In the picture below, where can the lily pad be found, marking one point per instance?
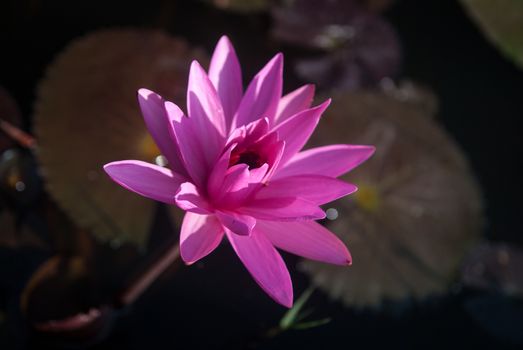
(502, 23)
(418, 208)
(87, 115)
(356, 46)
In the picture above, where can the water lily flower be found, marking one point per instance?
(237, 169)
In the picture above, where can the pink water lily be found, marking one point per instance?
(237, 169)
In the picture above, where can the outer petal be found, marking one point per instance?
(207, 122)
(307, 239)
(199, 236)
(193, 154)
(262, 95)
(264, 264)
(225, 74)
(146, 179)
(188, 198)
(333, 160)
(315, 188)
(159, 126)
(296, 130)
(204, 105)
(294, 102)
(237, 223)
(283, 209)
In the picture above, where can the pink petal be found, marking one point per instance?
(264, 264)
(294, 102)
(146, 179)
(307, 239)
(192, 153)
(237, 223)
(188, 198)
(236, 178)
(257, 175)
(251, 132)
(262, 95)
(207, 121)
(283, 209)
(160, 128)
(315, 188)
(218, 172)
(296, 130)
(274, 150)
(251, 182)
(333, 160)
(234, 187)
(225, 74)
(199, 236)
(204, 105)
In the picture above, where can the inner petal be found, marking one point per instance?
(251, 158)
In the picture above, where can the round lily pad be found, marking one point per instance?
(87, 115)
(418, 208)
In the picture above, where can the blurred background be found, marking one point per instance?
(434, 229)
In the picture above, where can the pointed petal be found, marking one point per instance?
(199, 236)
(275, 159)
(251, 132)
(283, 209)
(294, 102)
(333, 160)
(159, 126)
(203, 103)
(235, 186)
(262, 95)
(206, 116)
(188, 198)
(237, 223)
(218, 172)
(314, 188)
(307, 239)
(236, 178)
(192, 152)
(264, 264)
(257, 175)
(146, 179)
(296, 130)
(225, 74)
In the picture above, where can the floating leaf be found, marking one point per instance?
(418, 208)
(502, 23)
(87, 115)
(358, 47)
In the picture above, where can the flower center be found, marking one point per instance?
(251, 158)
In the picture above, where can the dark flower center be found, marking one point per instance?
(251, 158)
